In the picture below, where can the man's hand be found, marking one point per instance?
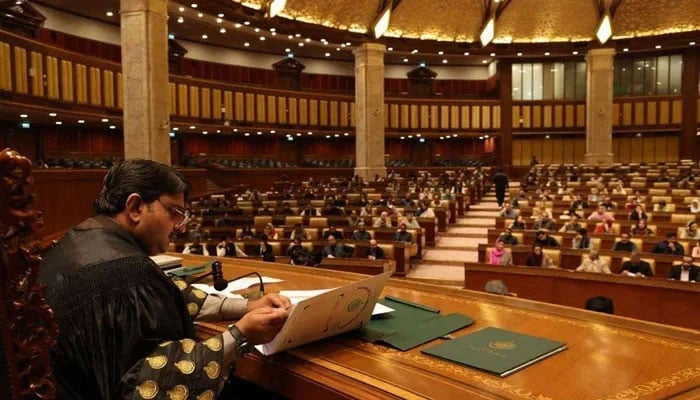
(262, 325)
(271, 300)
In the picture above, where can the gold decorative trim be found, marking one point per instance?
(657, 385)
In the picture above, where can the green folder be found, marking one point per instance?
(187, 271)
(497, 351)
(411, 325)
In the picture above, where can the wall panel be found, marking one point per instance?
(108, 84)
(37, 67)
(95, 86)
(67, 81)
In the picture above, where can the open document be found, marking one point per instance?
(328, 314)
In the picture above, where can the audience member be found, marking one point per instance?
(692, 231)
(299, 232)
(336, 250)
(410, 221)
(641, 229)
(353, 219)
(508, 211)
(383, 221)
(601, 215)
(507, 238)
(600, 304)
(624, 244)
(593, 263)
(686, 272)
(361, 233)
(544, 223)
(402, 235)
(638, 213)
(581, 240)
(696, 250)
(572, 225)
(264, 250)
(635, 266)
(695, 206)
(518, 224)
(332, 231)
(298, 254)
(228, 248)
(669, 246)
(374, 252)
(537, 258)
(196, 247)
(498, 287)
(500, 255)
(543, 239)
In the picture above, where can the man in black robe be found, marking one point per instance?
(500, 181)
(126, 328)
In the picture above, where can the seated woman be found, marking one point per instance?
(518, 224)
(603, 227)
(270, 233)
(581, 240)
(695, 253)
(500, 255)
(537, 258)
(247, 232)
(641, 229)
(638, 213)
(695, 206)
(593, 263)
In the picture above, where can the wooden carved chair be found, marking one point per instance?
(27, 328)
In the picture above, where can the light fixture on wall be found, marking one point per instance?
(604, 30)
(382, 23)
(488, 33)
(276, 6)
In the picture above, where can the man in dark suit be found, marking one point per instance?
(500, 181)
(374, 252)
(264, 250)
(636, 266)
(669, 246)
(335, 249)
(685, 272)
(334, 232)
(402, 235)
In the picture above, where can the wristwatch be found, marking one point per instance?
(243, 346)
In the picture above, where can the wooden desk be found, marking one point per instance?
(651, 299)
(609, 357)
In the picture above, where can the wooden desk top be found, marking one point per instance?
(609, 357)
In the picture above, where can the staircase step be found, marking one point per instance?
(428, 273)
(449, 255)
(458, 242)
(482, 214)
(460, 230)
(463, 235)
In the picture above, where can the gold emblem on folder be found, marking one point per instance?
(503, 345)
(148, 389)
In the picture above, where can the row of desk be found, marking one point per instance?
(609, 357)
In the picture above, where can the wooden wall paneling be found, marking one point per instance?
(333, 113)
(525, 116)
(672, 150)
(626, 114)
(677, 113)
(313, 112)
(67, 81)
(639, 113)
(465, 116)
(476, 117)
(323, 113)
(622, 149)
(386, 116)
(581, 115)
(108, 85)
(636, 146)
(53, 78)
(496, 117)
(517, 152)
(249, 106)
(37, 76)
(660, 148)
(120, 92)
(352, 114)
(292, 106)
(404, 116)
(434, 117)
(616, 151)
(568, 150)
(569, 116)
(548, 151)
(664, 112)
(172, 98)
(216, 104)
(229, 105)
(651, 113)
(282, 110)
(5, 67)
(260, 111)
(454, 117)
(486, 117)
(95, 83)
(205, 103)
(424, 117)
(445, 117)
(527, 151)
(558, 116)
(182, 102)
(238, 106)
(394, 121)
(21, 72)
(303, 111)
(547, 112)
(698, 112)
(414, 116)
(616, 113)
(516, 116)
(271, 109)
(580, 151)
(344, 114)
(648, 151)
(537, 116)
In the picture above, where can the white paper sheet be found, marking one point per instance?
(208, 289)
(296, 296)
(240, 284)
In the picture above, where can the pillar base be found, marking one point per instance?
(599, 158)
(368, 173)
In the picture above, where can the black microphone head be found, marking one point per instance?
(220, 284)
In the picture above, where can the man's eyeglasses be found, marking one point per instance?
(180, 217)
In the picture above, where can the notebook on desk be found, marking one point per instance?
(165, 261)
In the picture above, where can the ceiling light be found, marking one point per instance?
(246, 134)
(415, 51)
(392, 49)
(410, 136)
(52, 114)
(112, 127)
(259, 133)
(327, 54)
(405, 60)
(181, 9)
(110, 14)
(235, 129)
(493, 54)
(256, 30)
(301, 44)
(307, 40)
(171, 36)
(23, 115)
(290, 36)
(337, 49)
(342, 45)
(546, 53)
(59, 123)
(81, 121)
(441, 52)
(444, 61)
(273, 131)
(105, 120)
(520, 54)
(193, 5)
(346, 134)
(298, 133)
(658, 46)
(222, 30)
(403, 137)
(691, 43)
(604, 31)
(262, 38)
(574, 52)
(455, 135)
(219, 20)
(309, 133)
(287, 50)
(205, 36)
(237, 25)
(336, 135)
(348, 44)
(290, 55)
(175, 128)
(486, 136)
(218, 131)
(422, 140)
(273, 30)
(481, 138)
(488, 33)
(466, 53)
(276, 6)
(328, 136)
(246, 23)
(484, 61)
(246, 44)
(200, 15)
(220, 15)
(192, 127)
(422, 64)
(180, 20)
(625, 49)
(297, 35)
(382, 24)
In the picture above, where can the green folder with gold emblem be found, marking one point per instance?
(497, 351)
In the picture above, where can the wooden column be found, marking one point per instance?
(599, 104)
(505, 92)
(369, 110)
(690, 142)
(144, 43)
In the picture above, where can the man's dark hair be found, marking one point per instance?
(148, 179)
(600, 304)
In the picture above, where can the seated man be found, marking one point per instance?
(197, 232)
(374, 252)
(593, 263)
(571, 226)
(402, 235)
(308, 211)
(120, 316)
(686, 272)
(332, 231)
(581, 240)
(545, 222)
(361, 233)
(508, 238)
(336, 250)
(264, 250)
(600, 304)
(669, 246)
(624, 244)
(636, 266)
(692, 231)
(383, 221)
(227, 248)
(225, 220)
(543, 239)
(196, 247)
(299, 233)
(353, 219)
(298, 254)
(508, 211)
(411, 221)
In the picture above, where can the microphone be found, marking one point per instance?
(217, 274)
